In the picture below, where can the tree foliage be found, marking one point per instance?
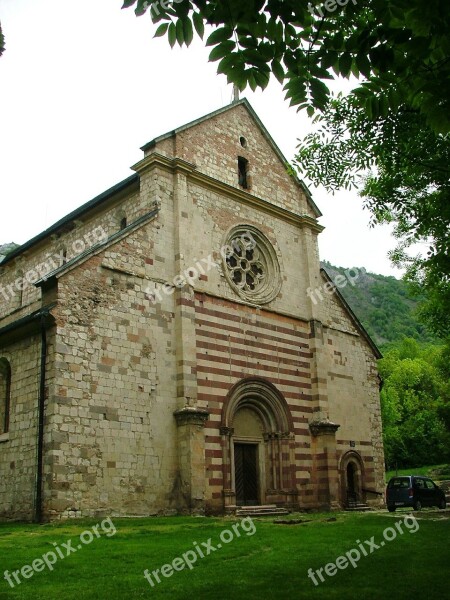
(406, 167)
(399, 48)
(395, 121)
(415, 403)
(2, 41)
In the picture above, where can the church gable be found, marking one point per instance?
(233, 146)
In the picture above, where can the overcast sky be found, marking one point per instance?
(83, 85)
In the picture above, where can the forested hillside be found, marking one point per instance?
(382, 304)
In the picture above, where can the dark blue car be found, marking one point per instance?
(415, 491)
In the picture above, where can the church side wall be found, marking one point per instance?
(354, 400)
(18, 446)
(114, 438)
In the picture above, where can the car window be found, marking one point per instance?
(420, 484)
(399, 483)
(430, 485)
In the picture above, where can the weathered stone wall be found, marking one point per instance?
(73, 239)
(18, 447)
(353, 389)
(113, 448)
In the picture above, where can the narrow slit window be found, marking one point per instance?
(123, 223)
(243, 170)
(5, 393)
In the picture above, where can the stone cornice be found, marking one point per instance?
(191, 416)
(177, 165)
(324, 427)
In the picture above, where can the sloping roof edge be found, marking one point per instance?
(29, 323)
(98, 246)
(260, 124)
(352, 316)
(75, 214)
(134, 179)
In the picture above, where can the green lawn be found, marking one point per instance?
(436, 472)
(271, 563)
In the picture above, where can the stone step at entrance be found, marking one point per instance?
(357, 507)
(264, 510)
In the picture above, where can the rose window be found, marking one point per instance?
(251, 265)
(245, 265)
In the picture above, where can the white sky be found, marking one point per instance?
(83, 85)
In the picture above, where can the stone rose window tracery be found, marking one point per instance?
(251, 265)
(245, 265)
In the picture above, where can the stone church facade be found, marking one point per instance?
(174, 346)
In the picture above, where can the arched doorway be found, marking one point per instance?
(352, 479)
(248, 438)
(351, 483)
(258, 446)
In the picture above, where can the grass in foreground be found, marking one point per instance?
(271, 563)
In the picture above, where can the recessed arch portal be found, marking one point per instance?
(257, 441)
(264, 398)
(352, 478)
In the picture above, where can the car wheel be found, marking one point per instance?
(417, 505)
(442, 504)
(391, 508)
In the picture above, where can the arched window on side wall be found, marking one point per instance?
(5, 394)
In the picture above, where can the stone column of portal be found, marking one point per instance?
(323, 447)
(324, 479)
(228, 491)
(189, 417)
(191, 458)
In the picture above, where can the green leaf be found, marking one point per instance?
(198, 24)
(162, 29)
(128, 3)
(262, 79)
(141, 8)
(219, 35)
(329, 59)
(172, 35)
(226, 64)
(188, 31)
(271, 29)
(223, 49)
(248, 42)
(363, 64)
(278, 70)
(319, 92)
(345, 64)
(179, 32)
(252, 81)
(338, 41)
